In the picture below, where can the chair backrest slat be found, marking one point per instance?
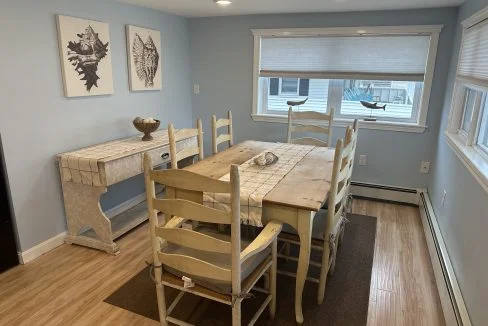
(310, 122)
(228, 137)
(194, 240)
(309, 128)
(310, 115)
(175, 136)
(309, 141)
(191, 210)
(183, 179)
(193, 266)
(187, 152)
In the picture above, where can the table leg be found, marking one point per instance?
(304, 229)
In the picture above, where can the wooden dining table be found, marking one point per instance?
(294, 200)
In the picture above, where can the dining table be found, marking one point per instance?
(294, 200)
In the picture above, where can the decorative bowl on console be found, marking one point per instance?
(146, 126)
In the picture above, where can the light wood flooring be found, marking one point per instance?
(67, 286)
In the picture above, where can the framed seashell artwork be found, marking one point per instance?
(144, 58)
(86, 56)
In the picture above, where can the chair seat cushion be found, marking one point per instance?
(218, 259)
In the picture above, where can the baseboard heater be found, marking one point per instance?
(382, 192)
(453, 306)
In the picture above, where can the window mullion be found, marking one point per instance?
(334, 100)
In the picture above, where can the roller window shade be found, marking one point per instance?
(346, 57)
(473, 60)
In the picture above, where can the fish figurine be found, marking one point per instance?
(373, 106)
(295, 103)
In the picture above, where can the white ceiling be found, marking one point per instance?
(206, 8)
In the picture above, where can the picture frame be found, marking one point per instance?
(144, 58)
(85, 53)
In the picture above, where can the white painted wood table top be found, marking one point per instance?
(294, 200)
(85, 175)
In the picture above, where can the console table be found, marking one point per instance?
(85, 175)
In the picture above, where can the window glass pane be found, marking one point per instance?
(400, 97)
(483, 136)
(468, 109)
(275, 102)
(289, 85)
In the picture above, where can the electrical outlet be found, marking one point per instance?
(363, 159)
(444, 195)
(424, 167)
(196, 88)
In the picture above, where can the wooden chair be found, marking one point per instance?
(329, 224)
(308, 124)
(214, 265)
(175, 136)
(220, 123)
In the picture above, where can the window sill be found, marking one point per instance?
(476, 163)
(375, 125)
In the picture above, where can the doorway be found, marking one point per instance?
(8, 247)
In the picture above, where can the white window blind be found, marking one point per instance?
(395, 57)
(473, 61)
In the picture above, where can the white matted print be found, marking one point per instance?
(144, 56)
(86, 61)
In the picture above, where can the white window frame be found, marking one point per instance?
(418, 126)
(465, 144)
(280, 87)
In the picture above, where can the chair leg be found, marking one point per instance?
(272, 278)
(161, 304)
(341, 236)
(236, 313)
(266, 278)
(334, 253)
(287, 249)
(323, 273)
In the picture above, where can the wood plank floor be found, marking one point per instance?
(67, 286)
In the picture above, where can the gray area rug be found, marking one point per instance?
(346, 296)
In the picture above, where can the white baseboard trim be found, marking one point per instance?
(36, 251)
(382, 192)
(453, 306)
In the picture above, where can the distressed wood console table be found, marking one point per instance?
(85, 175)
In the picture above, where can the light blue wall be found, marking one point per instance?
(37, 121)
(463, 219)
(222, 58)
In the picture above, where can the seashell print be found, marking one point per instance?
(266, 159)
(145, 59)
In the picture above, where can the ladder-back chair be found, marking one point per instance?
(228, 137)
(310, 122)
(203, 261)
(177, 154)
(329, 224)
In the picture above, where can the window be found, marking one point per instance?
(467, 131)
(339, 67)
(289, 86)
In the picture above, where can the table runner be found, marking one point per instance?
(257, 181)
(81, 166)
